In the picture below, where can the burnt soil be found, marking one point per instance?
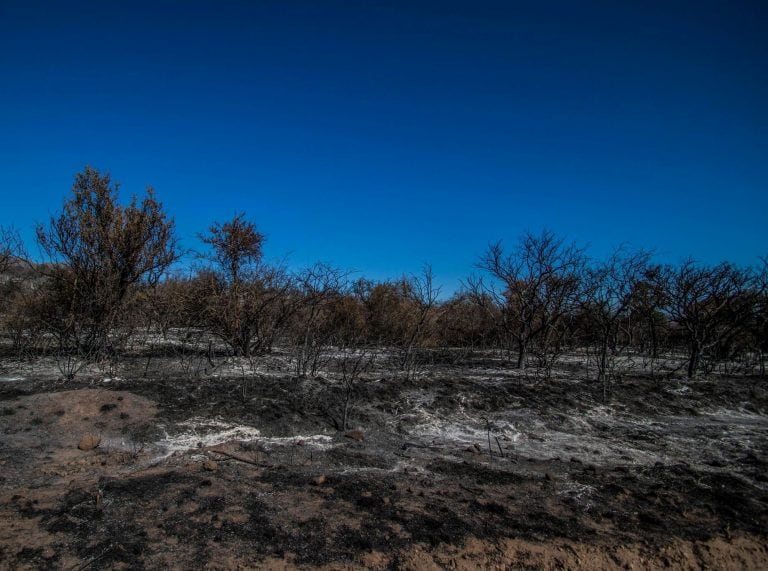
(464, 466)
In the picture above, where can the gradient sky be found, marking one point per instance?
(382, 135)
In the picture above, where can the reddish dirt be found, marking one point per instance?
(381, 501)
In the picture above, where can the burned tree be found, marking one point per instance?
(649, 297)
(11, 291)
(421, 299)
(99, 251)
(246, 300)
(464, 323)
(236, 249)
(11, 248)
(353, 360)
(540, 281)
(317, 287)
(759, 325)
(399, 313)
(607, 300)
(708, 304)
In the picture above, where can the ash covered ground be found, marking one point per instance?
(469, 465)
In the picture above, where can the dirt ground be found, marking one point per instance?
(462, 467)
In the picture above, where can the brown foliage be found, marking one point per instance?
(99, 252)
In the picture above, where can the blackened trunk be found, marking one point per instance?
(521, 353)
(693, 361)
(603, 365)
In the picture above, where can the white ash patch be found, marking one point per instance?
(202, 433)
(462, 429)
(122, 443)
(316, 441)
(576, 440)
(742, 416)
(578, 493)
(461, 433)
(680, 391)
(602, 435)
(526, 433)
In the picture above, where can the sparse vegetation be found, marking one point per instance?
(98, 252)
(245, 414)
(106, 283)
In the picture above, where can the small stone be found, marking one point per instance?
(319, 480)
(356, 435)
(89, 442)
(210, 466)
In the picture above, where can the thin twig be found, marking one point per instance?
(94, 559)
(241, 458)
(499, 445)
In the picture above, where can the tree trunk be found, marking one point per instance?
(521, 354)
(654, 342)
(603, 363)
(345, 412)
(693, 361)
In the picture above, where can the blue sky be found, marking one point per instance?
(382, 135)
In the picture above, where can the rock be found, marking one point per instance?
(89, 442)
(210, 466)
(319, 480)
(356, 435)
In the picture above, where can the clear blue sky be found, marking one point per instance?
(382, 135)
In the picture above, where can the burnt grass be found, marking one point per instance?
(641, 504)
(364, 503)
